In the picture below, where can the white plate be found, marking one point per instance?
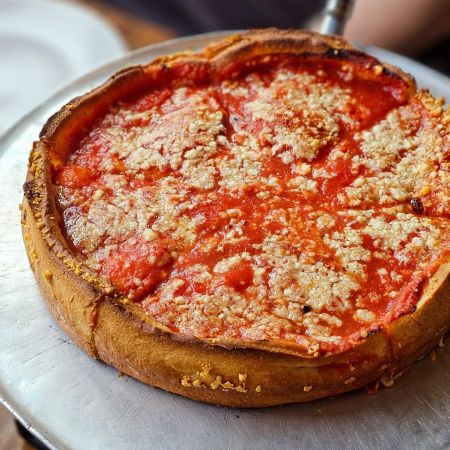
(43, 46)
(73, 402)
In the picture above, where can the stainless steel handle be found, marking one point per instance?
(335, 15)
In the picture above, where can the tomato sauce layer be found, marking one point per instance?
(296, 201)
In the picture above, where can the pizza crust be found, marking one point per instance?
(230, 373)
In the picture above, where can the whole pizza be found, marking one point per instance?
(263, 222)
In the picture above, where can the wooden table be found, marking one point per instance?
(135, 31)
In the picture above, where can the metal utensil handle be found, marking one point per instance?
(335, 15)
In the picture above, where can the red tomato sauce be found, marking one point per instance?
(144, 269)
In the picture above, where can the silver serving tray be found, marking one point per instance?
(73, 402)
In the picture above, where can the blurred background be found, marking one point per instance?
(44, 44)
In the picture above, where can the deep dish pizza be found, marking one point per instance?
(264, 222)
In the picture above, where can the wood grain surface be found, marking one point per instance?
(9, 438)
(135, 31)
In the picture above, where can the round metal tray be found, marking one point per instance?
(73, 402)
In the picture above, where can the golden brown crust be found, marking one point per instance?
(72, 303)
(294, 42)
(226, 372)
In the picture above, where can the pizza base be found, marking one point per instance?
(231, 373)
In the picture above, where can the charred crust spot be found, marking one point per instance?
(416, 205)
(374, 331)
(333, 53)
(29, 190)
(306, 309)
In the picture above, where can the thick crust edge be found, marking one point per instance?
(228, 373)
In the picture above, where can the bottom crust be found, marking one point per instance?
(123, 337)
